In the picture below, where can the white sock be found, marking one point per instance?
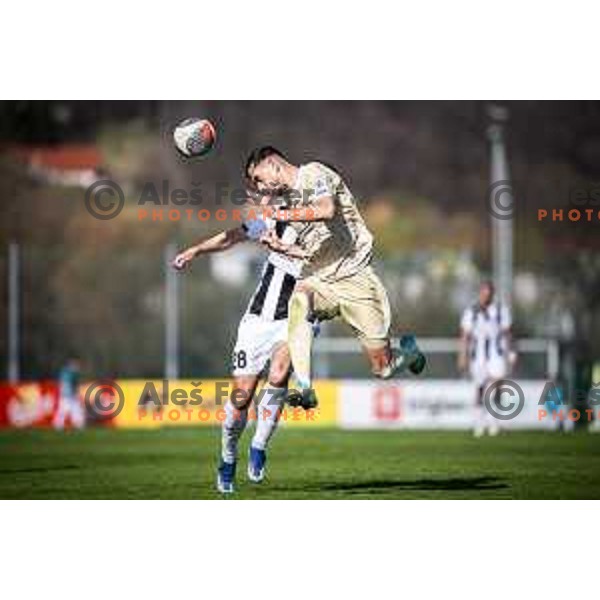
(491, 421)
(267, 415)
(480, 419)
(231, 431)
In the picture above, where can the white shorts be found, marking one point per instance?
(256, 340)
(489, 370)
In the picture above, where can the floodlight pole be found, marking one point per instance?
(171, 315)
(501, 204)
(13, 312)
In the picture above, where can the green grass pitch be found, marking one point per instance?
(181, 462)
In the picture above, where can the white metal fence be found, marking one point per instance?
(537, 358)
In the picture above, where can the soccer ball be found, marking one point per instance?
(194, 137)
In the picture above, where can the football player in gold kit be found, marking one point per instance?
(336, 279)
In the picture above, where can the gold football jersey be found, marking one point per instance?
(336, 248)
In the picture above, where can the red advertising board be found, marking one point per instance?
(28, 404)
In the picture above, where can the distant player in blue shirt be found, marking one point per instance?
(69, 404)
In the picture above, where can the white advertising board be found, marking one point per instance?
(435, 404)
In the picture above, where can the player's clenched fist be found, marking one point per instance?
(183, 259)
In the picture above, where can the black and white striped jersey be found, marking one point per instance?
(486, 327)
(271, 297)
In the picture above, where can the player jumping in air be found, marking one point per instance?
(337, 279)
(262, 336)
(485, 351)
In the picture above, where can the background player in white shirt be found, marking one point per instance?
(261, 338)
(485, 350)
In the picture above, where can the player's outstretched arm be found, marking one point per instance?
(507, 334)
(463, 350)
(215, 243)
(511, 352)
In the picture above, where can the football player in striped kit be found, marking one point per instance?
(261, 339)
(485, 351)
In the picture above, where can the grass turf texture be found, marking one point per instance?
(180, 463)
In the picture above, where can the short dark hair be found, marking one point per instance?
(259, 154)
